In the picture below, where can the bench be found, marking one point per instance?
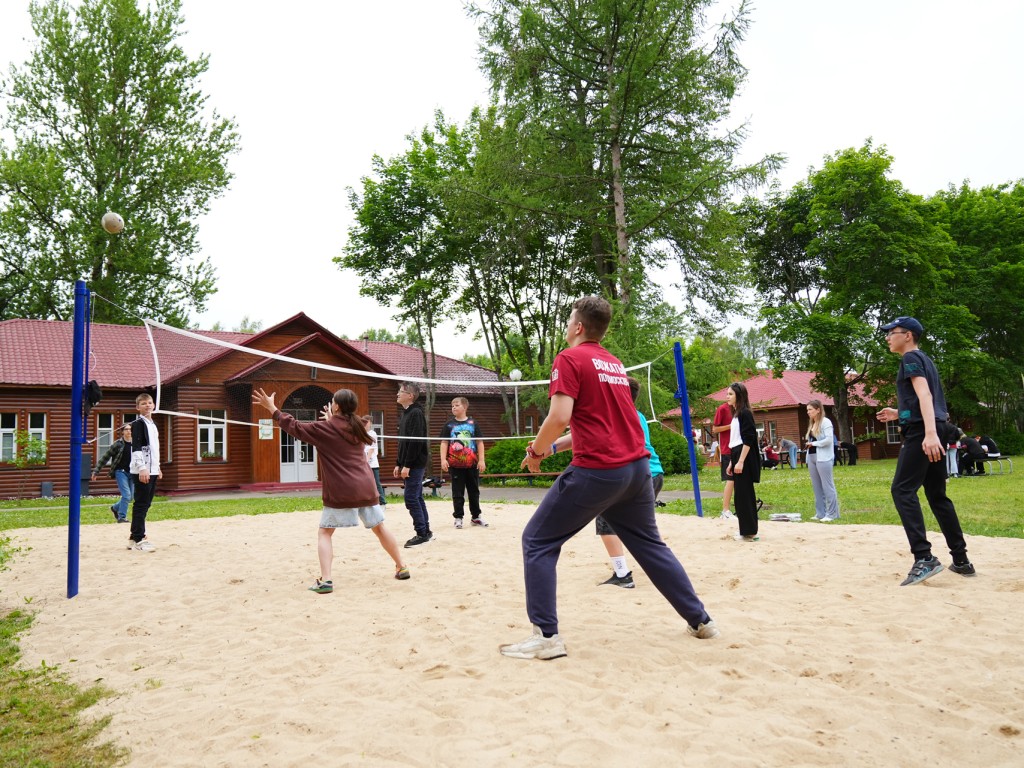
(994, 465)
(519, 476)
(433, 483)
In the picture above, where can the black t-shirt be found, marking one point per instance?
(126, 458)
(917, 363)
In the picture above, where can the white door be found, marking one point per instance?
(298, 459)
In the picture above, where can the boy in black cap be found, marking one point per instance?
(922, 417)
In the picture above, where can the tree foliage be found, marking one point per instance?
(613, 112)
(107, 115)
(843, 252)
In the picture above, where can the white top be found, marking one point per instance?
(148, 456)
(734, 433)
(824, 444)
(371, 451)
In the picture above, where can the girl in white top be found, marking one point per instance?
(820, 460)
(371, 457)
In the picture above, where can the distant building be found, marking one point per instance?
(780, 410)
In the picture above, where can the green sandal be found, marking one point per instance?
(402, 574)
(322, 587)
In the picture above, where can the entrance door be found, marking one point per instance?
(298, 459)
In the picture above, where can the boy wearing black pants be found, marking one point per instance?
(923, 423)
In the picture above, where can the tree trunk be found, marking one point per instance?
(841, 412)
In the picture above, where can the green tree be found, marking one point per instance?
(621, 102)
(986, 275)
(107, 115)
(845, 251)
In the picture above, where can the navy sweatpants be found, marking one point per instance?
(625, 498)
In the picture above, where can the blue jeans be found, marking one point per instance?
(792, 457)
(126, 487)
(380, 488)
(625, 498)
(414, 501)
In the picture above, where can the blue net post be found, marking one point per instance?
(684, 407)
(77, 434)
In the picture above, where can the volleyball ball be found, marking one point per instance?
(112, 222)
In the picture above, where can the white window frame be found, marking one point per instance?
(8, 437)
(212, 423)
(892, 432)
(36, 430)
(528, 424)
(104, 433)
(377, 422)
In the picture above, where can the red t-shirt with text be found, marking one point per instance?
(605, 430)
(723, 418)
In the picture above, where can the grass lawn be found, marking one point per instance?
(992, 505)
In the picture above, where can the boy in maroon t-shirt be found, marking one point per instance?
(610, 475)
(721, 428)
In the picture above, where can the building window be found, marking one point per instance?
(377, 420)
(8, 427)
(37, 428)
(104, 432)
(892, 432)
(212, 429)
(529, 424)
(166, 434)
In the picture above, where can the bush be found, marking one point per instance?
(1010, 443)
(673, 450)
(505, 458)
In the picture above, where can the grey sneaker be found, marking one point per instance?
(705, 631)
(964, 569)
(626, 582)
(923, 569)
(536, 646)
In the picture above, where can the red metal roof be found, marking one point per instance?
(793, 389)
(38, 353)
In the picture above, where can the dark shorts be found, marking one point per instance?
(726, 460)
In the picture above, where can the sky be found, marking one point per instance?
(318, 91)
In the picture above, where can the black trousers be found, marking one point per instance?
(744, 496)
(144, 493)
(914, 470)
(465, 481)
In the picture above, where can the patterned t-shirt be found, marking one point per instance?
(461, 437)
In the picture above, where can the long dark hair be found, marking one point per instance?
(347, 402)
(742, 399)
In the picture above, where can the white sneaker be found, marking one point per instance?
(727, 515)
(141, 546)
(535, 647)
(458, 522)
(706, 631)
(740, 537)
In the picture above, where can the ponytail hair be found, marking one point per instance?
(347, 402)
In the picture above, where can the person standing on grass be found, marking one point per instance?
(610, 475)
(721, 427)
(462, 456)
(922, 415)
(788, 446)
(145, 470)
(745, 467)
(413, 456)
(820, 462)
(348, 490)
(119, 454)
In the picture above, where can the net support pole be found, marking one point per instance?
(684, 409)
(77, 433)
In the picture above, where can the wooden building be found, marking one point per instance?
(203, 394)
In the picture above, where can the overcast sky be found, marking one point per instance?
(318, 87)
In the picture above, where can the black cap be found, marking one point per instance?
(907, 323)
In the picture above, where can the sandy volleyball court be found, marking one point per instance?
(221, 657)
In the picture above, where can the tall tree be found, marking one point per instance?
(843, 252)
(626, 100)
(107, 115)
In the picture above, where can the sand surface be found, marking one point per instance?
(221, 657)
